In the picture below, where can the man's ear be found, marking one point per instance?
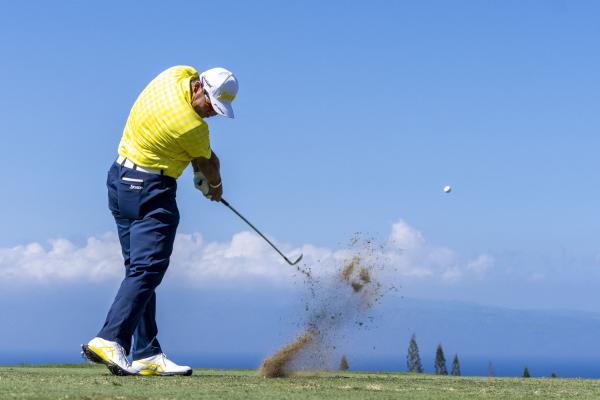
(196, 86)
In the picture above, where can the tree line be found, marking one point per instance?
(415, 365)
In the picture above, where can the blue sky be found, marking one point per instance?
(351, 117)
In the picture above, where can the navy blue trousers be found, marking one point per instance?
(145, 210)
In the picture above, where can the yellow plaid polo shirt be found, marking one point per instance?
(163, 131)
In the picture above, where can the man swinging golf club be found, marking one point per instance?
(165, 131)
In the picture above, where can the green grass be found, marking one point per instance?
(94, 382)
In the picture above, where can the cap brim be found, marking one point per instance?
(221, 107)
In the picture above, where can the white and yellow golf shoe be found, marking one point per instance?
(111, 354)
(159, 365)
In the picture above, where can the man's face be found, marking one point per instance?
(201, 101)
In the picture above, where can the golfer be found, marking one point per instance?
(165, 131)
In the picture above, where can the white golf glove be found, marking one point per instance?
(201, 183)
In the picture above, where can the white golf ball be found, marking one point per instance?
(447, 189)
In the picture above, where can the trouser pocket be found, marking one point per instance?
(129, 194)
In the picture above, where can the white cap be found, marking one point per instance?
(222, 87)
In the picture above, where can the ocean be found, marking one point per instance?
(469, 365)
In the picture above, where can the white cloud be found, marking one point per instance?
(405, 256)
(62, 261)
(481, 264)
(412, 256)
(246, 255)
(405, 237)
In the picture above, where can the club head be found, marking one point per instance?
(295, 262)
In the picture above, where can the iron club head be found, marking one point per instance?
(297, 260)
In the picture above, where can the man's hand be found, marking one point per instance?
(201, 183)
(207, 176)
(210, 191)
(215, 193)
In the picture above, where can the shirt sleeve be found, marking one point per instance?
(196, 142)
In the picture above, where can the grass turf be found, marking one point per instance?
(94, 382)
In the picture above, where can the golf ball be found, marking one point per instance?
(447, 189)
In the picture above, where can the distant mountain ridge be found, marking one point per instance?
(230, 328)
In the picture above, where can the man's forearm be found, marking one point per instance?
(210, 168)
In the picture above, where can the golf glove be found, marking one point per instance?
(201, 183)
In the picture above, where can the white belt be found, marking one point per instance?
(128, 164)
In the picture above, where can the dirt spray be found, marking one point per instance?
(333, 303)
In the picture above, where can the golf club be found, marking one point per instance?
(261, 235)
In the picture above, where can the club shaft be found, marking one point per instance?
(255, 229)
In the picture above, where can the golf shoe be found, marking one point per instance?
(159, 365)
(111, 354)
